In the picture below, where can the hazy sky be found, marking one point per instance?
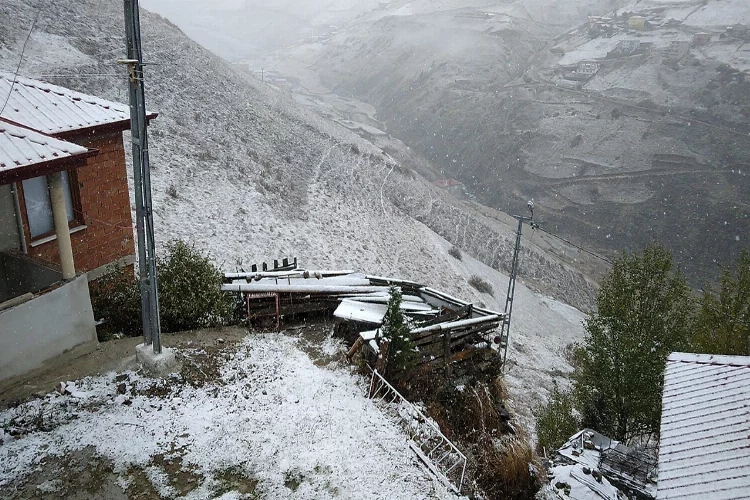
(236, 29)
(248, 29)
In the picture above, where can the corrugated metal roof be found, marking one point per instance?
(20, 147)
(53, 110)
(705, 428)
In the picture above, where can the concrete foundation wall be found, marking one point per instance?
(8, 226)
(46, 327)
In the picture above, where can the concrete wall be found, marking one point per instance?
(19, 275)
(8, 226)
(46, 327)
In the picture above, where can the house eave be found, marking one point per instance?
(99, 130)
(25, 172)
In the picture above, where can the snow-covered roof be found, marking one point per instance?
(705, 428)
(25, 153)
(363, 311)
(55, 110)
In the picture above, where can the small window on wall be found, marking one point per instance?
(39, 206)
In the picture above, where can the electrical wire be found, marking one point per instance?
(593, 254)
(20, 60)
(82, 75)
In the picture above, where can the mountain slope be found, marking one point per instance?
(647, 150)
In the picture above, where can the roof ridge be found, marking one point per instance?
(57, 89)
(709, 359)
(60, 111)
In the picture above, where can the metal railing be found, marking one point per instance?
(438, 453)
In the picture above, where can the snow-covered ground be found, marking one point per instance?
(697, 13)
(299, 430)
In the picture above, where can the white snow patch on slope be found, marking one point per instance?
(274, 413)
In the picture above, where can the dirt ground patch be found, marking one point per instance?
(316, 340)
(78, 475)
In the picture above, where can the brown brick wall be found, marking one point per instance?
(105, 208)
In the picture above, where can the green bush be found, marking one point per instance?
(556, 421)
(116, 299)
(723, 322)
(190, 295)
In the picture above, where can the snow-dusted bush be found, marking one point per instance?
(190, 294)
(556, 421)
(481, 284)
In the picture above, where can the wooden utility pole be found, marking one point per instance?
(142, 179)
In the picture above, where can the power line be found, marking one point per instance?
(20, 60)
(593, 254)
(83, 75)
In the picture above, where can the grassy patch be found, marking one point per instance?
(235, 478)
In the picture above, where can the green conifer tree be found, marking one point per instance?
(401, 351)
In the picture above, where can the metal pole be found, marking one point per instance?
(505, 331)
(142, 179)
(505, 328)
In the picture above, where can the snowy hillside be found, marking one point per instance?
(617, 148)
(272, 422)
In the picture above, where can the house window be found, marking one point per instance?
(39, 206)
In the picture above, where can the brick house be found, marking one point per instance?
(98, 199)
(62, 177)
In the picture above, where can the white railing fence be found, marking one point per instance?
(438, 453)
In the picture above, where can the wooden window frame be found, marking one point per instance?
(75, 196)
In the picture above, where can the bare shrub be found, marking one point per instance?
(506, 468)
(482, 285)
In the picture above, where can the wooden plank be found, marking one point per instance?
(434, 337)
(451, 315)
(355, 348)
